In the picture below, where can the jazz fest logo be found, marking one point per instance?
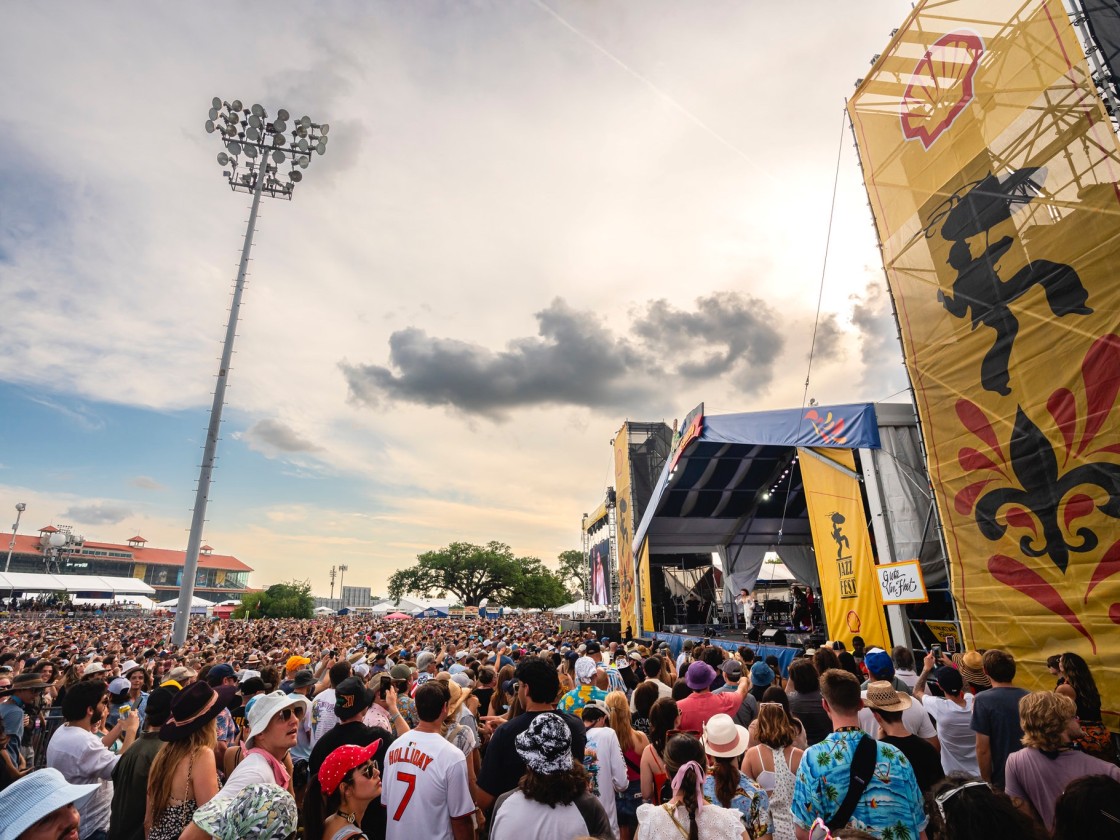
(844, 569)
(1028, 491)
(941, 86)
(827, 429)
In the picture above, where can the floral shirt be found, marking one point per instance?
(407, 707)
(574, 701)
(749, 800)
(891, 806)
(227, 729)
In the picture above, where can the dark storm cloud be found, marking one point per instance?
(576, 360)
(827, 346)
(270, 435)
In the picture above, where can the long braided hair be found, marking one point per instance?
(680, 750)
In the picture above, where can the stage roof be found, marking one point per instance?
(739, 484)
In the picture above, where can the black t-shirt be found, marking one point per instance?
(357, 734)
(484, 695)
(502, 767)
(923, 757)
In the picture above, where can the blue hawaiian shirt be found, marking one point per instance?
(574, 701)
(750, 801)
(890, 808)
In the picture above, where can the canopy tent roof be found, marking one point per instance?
(397, 616)
(324, 611)
(34, 582)
(579, 607)
(196, 602)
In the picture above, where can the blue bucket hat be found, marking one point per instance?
(761, 674)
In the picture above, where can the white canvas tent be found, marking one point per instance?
(324, 611)
(580, 607)
(41, 583)
(199, 606)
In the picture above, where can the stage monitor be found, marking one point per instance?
(774, 637)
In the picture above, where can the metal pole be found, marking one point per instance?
(15, 528)
(190, 563)
(341, 577)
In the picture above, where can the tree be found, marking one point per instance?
(281, 600)
(472, 572)
(573, 572)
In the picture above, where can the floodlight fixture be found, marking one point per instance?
(254, 148)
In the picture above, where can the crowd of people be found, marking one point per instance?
(352, 728)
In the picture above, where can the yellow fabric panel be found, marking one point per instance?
(997, 205)
(627, 597)
(850, 596)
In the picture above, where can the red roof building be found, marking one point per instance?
(219, 576)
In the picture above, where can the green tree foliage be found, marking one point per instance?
(573, 572)
(281, 600)
(472, 572)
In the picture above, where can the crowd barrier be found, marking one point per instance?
(785, 654)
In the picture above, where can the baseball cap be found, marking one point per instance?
(351, 697)
(220, 672)
(592, 647)
(949, 679)
(879, 664)
(733, 668)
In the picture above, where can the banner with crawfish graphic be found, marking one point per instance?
(850, 594)
(992, 170)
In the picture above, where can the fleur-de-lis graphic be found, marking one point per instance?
(1046, 498)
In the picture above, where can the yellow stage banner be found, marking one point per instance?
(992, 169)
(624, 523)
(853, 604)
(643, 592)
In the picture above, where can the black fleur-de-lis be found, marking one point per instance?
(1042, 489)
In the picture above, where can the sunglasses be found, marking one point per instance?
(368, 770)
(949, 794)
(819, 830)
(290, 712)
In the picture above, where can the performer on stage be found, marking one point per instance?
(747, 601)
(802, 615)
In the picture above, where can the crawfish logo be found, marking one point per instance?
(1040, 497)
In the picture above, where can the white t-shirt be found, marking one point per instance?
(253, 769)
(958, 740)
(423, 786)
(83, 760)
(323, 718)
(607, 768)
(662, 691)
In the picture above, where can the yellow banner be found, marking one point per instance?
(992, 169)
(643, 591)
(853, 605)
(624, 519)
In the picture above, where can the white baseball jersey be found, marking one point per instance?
(423, 786)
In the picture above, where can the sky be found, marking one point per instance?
(535, 219)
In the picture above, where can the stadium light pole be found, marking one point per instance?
(20, 508)
(342, 570)
(255, 147)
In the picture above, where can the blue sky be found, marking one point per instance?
(534, 220)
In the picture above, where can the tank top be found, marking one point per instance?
(175, 818)
(633, 764)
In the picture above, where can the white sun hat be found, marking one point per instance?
(26, 801)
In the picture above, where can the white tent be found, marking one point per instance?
(33, 582)
(579, 607)
(324, 611)
(199, 606)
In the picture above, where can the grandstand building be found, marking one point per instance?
(56, 550)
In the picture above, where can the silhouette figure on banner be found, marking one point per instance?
(978, 285)
(840, 538)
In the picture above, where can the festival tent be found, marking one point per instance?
(199, 606)
(438, 608)
(397, 616)
(579, 607)
(85, 586)
(324, 611)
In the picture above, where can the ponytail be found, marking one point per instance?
(690, 801)
(726, 774)
(317, 808)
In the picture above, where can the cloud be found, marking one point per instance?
(271, 436)
(79, 414)
(97, 514)
(576, 360)
(883, 372)
(145, 482)
(829, 341)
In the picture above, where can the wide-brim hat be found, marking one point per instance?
(303, 679)
(459, 696)
(266, 707)
(263, 811)
(26, 801)
(24, 682)
(971, 666)
(194, 707)
(130, 666)
(724, 738)
(94, 668)
(882, 695)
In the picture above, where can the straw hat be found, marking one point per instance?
(971, 666)
(459, 696)
(882, 695)
(724, 738)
